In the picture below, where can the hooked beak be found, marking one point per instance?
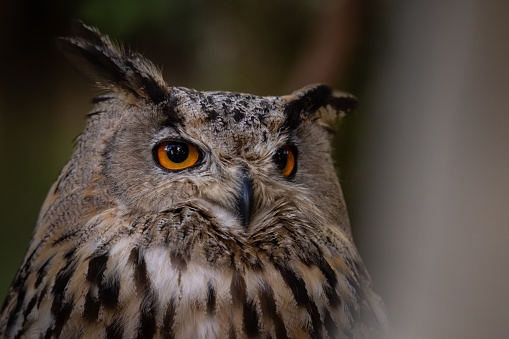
(245, 200)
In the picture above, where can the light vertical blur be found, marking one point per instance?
(435, 170)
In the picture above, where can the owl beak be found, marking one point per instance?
(245, 200)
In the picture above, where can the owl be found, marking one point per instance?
(188, 214)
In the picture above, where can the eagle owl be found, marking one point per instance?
(187, 214)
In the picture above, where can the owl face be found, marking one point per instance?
(237, 157)
(243, 159)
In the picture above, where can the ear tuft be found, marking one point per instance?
(317, 102)
(112, 66)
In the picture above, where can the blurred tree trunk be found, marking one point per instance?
(331, 46)
(436, 167)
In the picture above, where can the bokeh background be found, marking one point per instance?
(424, 162)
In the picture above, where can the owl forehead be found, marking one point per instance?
(229, 112)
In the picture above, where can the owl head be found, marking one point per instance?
(242, 159)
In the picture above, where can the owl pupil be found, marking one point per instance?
(177, 152)
(280, 158)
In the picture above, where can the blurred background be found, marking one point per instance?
(424, 163)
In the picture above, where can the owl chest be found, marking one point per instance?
(196, 299)
(154, 291)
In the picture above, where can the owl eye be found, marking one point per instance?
(286, 160)
(174, 155)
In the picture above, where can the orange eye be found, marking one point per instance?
(174, 155)
(286, 160)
